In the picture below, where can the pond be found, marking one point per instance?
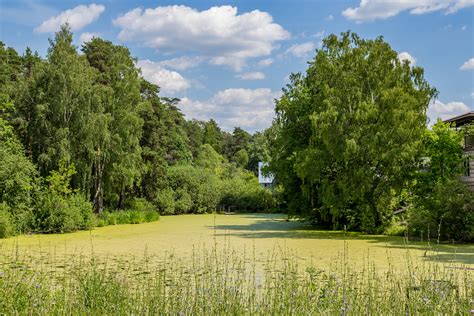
(256, 234)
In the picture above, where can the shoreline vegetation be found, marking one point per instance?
(214, 281)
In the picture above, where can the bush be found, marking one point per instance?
(395, 228)
(59, 214)
(6, 225)
(140, 204)
(165, 201)
(447, 212)
(183, 202)
(201, 184)
(127, 217)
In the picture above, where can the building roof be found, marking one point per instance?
(464, 119)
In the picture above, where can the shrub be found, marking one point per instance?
(58, 214)
(127, 217)
(165, 201)
(6, 225)
(140, 204)
(447, 212)
(151, 216)
(395, 228)
(183, 202)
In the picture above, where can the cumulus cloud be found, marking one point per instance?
(170, 82)
(252, 76)
(265, 62)
(219, 33)
(182, 63)
(468, 65)
(86, 37)
(250, 109)
(301, 50)
(438, 109)
(78, 18)
(406, 56)
(370, 10)
(330, 17)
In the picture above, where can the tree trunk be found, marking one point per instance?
(98, 200)
(121, 199)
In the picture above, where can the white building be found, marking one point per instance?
(266, 181)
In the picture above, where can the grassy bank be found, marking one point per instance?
(217, 282)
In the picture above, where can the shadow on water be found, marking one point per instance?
(275, 226)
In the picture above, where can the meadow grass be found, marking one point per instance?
(223, 282)
(231, 270)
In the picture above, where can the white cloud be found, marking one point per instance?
(265, 62)
(468, 65)
(406, 56)
(464, 27)
(301, 50)
(459, 4)
(77, 18)
(438, 109)
(330, 17)
(369, 10)
(252, 76)
(250, 109)
(472, 95)
(182, 63)
(235, 63)
(220, 33)
(318, 34)
(170, 82)
(86, 37)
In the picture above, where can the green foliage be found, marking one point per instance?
(348, 133)
(199, 183)
(58, 208)
(210, 159)
(140, 205)
(126, 217)
(443, 207)
(443, 154)
(17, 173)
(6, 226)
(165, 201)
(62, 214)
(212, 135)
(59, 180)
(87, 128)
(446, 211)
(395, 228)
(241, 158)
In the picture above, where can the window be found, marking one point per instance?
(469, 141)
(467, 167)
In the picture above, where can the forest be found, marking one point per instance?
(82, 133)
(86, 141)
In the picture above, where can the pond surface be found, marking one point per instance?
(258, 234)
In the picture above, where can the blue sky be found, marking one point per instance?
(229, 60)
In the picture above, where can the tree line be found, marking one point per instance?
(83, 133)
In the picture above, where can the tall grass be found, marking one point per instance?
(126, 217)
(220, 282)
